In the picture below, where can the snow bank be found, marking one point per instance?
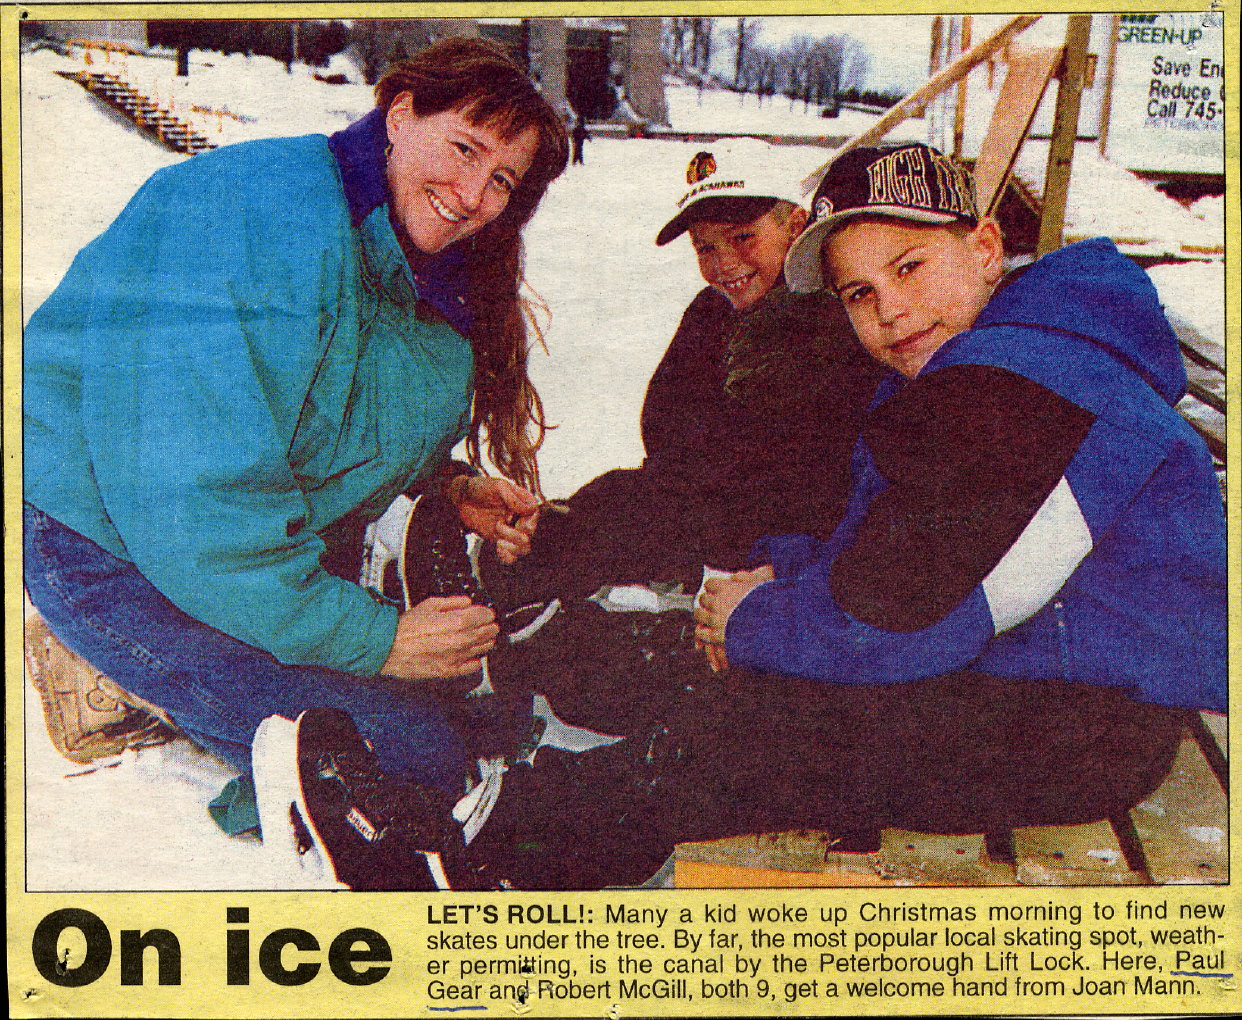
(1107, 200)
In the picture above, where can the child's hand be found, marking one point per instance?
(720, 597)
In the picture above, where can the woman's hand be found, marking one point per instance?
(443, 636)
(720, 597)
(498, 510)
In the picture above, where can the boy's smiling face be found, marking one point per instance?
(744, 260)
(908, 287)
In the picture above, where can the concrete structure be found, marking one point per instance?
(603, 68)
(644, 69)
(548, 58)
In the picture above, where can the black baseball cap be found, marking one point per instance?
(910, 181)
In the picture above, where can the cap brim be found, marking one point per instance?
(716, 209)
(803, 271)
(674, 228)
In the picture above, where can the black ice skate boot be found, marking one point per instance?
(376, 832)
(435, 558)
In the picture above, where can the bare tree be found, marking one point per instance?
(812, 70)
(374, 44)
(794, 58)
(701, 34)
(742, 37)
(857, 65)
(762, 71)
(676, 32)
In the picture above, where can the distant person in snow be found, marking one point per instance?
(578, 136)
(270, 343)
(1028, 588)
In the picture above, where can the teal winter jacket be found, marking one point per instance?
(227, 370)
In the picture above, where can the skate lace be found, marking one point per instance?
(451, 572)
(362, 784)
(421, 814)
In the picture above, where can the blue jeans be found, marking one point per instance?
(216, 688)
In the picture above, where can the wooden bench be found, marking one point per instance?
(1178, 835)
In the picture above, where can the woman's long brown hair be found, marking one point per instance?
(478, 80)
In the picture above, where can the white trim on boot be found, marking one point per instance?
(277, 792)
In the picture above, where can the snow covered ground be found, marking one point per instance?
(721, 110)
(614, 300)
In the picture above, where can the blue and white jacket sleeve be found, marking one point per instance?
(960, 526)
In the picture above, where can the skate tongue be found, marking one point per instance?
(382, 542)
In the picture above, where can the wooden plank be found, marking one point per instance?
(937, 39)
(1210, 424)
(1217, 724)
(1106, 106)
(1062, 855)
(1025, 84)
(707, 875)
(1184, 825)
(809, 859)
(919, 98)
(1200, 352)
(924, 858)
(1206, 387)
(1211, 739)
(959, 106)
(1064, 134)
(804, 857)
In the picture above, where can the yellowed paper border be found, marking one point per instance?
(838, 922)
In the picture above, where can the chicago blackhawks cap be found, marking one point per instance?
(910, 181)
(732, 182)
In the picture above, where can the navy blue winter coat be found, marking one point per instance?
(1030, 506)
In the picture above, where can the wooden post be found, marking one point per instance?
(959, 108)
(929, 90)
(1064, 134)
(1025, 84)
(1106, 107)
(934, 55)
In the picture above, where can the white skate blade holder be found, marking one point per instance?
(277, 790)
(383, 542)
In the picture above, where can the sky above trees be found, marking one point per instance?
(897, 44)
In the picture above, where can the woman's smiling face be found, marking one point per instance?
(744, 260)
(448, 176)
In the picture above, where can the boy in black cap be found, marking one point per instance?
(1028, 587)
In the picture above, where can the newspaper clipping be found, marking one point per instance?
(620, 510)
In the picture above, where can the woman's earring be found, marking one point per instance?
(387, 152)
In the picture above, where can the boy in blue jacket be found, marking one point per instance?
(1028, 587)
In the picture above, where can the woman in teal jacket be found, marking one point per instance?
(271, 340)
